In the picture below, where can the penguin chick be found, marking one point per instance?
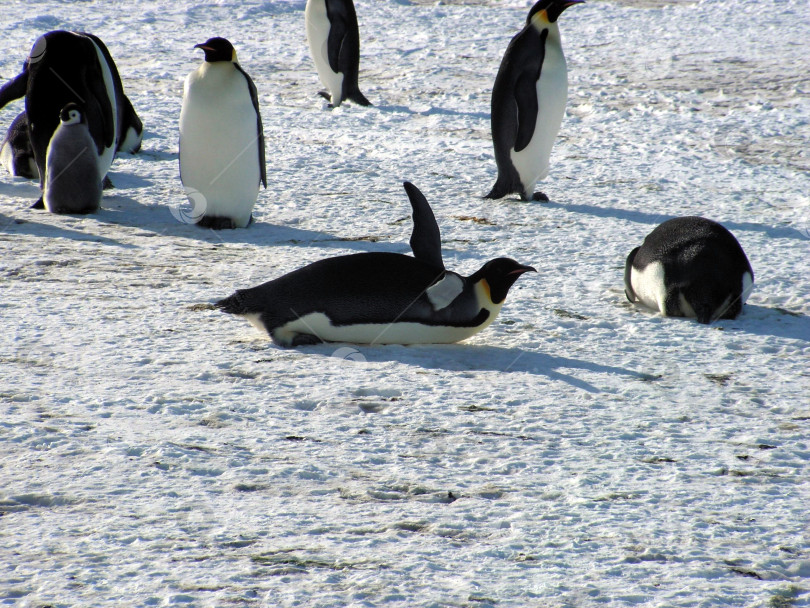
(72, 179)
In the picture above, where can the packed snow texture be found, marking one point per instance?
(581, 451)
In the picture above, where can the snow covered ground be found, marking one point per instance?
(579, 452)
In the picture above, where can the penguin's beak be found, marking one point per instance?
(203, 47)
(521, 270)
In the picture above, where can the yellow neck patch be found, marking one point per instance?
(540, 20)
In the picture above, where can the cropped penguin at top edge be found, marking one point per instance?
(380, 298)
(16, 153)
(72, 67)
(528, 102)
(690, 267)
(72, 181)
(222, 159)
(334, 41)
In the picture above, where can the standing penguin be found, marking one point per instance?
(16, 153)
(380, 298)
(72, 182)
(528, 102)
(221, 139)
(690, 267)
(334, 41)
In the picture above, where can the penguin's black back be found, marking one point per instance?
(353, 289)
(702, 260)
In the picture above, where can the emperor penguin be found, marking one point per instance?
(71, 67)
(690, 267)
(528, 102)
(221, 139)
(16, 153)
(380, 298)
(334, 41)
(72, 180)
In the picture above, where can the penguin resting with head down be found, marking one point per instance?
(380, 298)
(690, 267)
(221, 139)
(528, 102)
(334, 41)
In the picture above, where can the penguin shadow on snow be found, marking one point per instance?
(631, 215)
(474, 358)
(50, 231)
(772, 321)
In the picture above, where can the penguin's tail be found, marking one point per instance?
(358, 98)
(233, 305)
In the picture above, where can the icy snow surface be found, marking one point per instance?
(579, 452)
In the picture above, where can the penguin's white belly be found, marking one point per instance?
(107, 155)
(318, 324)
(219, 143)
(318, 27)
(649, 286)
(531, 163)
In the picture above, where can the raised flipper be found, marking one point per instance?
(426, 241)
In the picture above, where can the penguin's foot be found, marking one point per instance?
(305, 340)
(216, 222)
(106, 184)
(40, 204)
(540, 197)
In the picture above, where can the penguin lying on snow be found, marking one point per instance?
(528, 102)
(16, 153)
(380, 298)
(334, 41)
(221, 139)
(690, 267)
(72, 182)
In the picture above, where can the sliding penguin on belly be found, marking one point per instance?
(334, 41)
(221, 139)
(528, 102)
(380, 298)
(690, 267)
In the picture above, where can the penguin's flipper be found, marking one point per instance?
(628, 269)
(338, 30)
(526, 100)
(426, 241)
(254, 97)
(14, 89)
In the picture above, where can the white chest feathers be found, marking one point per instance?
(219, 142)
(532, 163)
(318, 27)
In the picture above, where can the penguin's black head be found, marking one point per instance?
(72, 114)
(499, 275)
(550, 10)
(217, 49)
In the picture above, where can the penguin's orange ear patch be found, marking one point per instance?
(233, 56)
(541, 17)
